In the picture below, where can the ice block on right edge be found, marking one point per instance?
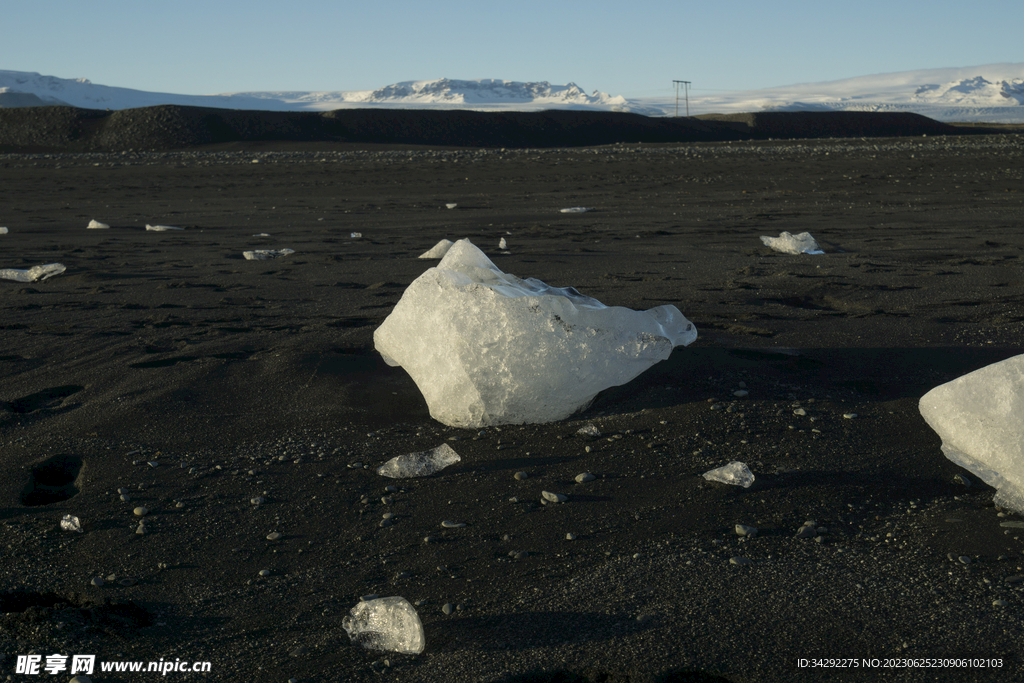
(980, 419)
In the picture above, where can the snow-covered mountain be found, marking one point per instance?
(81, 92)
(444, 93)
(457, 94)
(992, 93)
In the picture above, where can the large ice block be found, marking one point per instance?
(487, 348)
(980, 419)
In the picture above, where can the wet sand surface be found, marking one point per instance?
(165, 364)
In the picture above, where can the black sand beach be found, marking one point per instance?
(165, 364)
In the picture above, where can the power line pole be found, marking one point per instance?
(686, 89)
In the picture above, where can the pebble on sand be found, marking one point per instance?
(806, 531)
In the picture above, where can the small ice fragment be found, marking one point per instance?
(96, 225)
(389, 624)
(264, 254)
(502, 244)
(553, 497)
(71, 523)
(438, 250)
(420, 464)
(262, 234)
(161, 228)
(33, 274)
(3, 231)
(356, 235)
(451, 205)
(576, 209)
(980, 419)
(735, 473)
(589, 430)
(788, 243)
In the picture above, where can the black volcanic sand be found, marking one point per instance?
(167, 365)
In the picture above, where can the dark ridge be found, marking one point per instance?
(171, 127)
(832, 124)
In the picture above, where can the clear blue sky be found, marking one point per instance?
(633, 48)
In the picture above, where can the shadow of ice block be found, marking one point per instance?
(488, 348)
(980, 419)
(388, 624)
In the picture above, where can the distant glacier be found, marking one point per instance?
(991, 93)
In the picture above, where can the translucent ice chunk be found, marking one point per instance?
(33, 274)
(502, 244)
(980, 419)
(735, 473)
(576, 209)
(161, 228)
(789, 243)
(487, 348)
(96, 225)
(420, 464)
(71, 523)
(438, 250)
(264, 254)
(3, 231)
(389, 624)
